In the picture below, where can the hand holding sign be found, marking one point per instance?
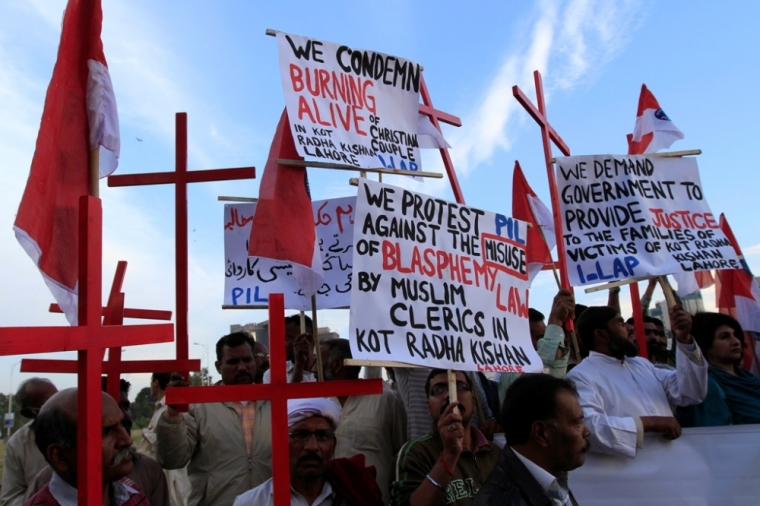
(562, 307)
(680, 320)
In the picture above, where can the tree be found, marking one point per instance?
(142, 408)
(201, 378)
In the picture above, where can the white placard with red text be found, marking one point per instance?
(438, 284)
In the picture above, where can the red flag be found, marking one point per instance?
(283, 223)
(79, 115)
(653, 129)
(526, 206)
(737, 294)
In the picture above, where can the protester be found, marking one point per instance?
(622, 395)
(261, 357)
(177, 480)
(56, 427)
(657, 342)
(549, 341)
(23, 459)
(226, 446)
(451, 463)
(371, 425)
(299, 350)
(146, 474)
(546, 438)
(316, 479)
(733, 394)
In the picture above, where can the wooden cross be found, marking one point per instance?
(114, 314)
(436, 116)
(549, 135)
(180, 178)
(88, 338)
(278, 392)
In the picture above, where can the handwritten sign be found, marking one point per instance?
(631, 216)
(350, 106)
(250, 280)
(438, 284)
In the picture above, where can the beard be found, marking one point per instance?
(621, 348)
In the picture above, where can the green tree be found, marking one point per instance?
(198, 379)
(142, 408)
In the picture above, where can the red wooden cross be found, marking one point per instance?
(426, 108)
(278, 392)
(549, 135)
(89, 338)
(180, 178)
(114, 314)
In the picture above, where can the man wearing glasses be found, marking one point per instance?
(449, 465)
(315, 478)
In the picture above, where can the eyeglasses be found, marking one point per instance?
(304, 435)
(264, 356)
(443, 388)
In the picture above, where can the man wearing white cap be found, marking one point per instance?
(315, 478)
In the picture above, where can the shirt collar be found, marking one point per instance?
(66, 495)
(327, 491)
(478, 439)
(542, 476)
(595, 355)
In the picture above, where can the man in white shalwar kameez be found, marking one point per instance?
(622, 395)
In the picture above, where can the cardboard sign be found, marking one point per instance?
(350, 106)
(250, 280)
(438, 284)
(630, 216)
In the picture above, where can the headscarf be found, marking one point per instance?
(300, 409)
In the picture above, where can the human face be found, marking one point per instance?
(261, 357)
(537, 331)
(619, 344)
(308, 458)
(39, 392)
(567, 435)
(650, 331)
(237, 366)
(291, 332)
(117, 461)
(437, 403)
(726, 347)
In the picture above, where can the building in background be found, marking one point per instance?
(260, 332)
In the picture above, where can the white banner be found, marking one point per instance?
(705, 466)
(630, 216)
(438, 284)
(350, 106)
(250, 280)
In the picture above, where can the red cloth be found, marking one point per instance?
(653, 129)
(353, 482)
(524, 204)
(283, 223)
(47, 221)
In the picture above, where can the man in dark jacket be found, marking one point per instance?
(546, 438)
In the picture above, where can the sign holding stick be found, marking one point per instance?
(438, 284)
(633, 216)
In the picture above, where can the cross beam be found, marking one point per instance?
(278, 392)
(436, 117)
(181, 177)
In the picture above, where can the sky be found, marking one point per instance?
(214, 61)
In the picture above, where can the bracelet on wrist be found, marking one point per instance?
(445, 467)
(435, 483)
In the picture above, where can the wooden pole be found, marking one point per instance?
(453, 388)
(320, 373)
(361, 170)
(668, 291)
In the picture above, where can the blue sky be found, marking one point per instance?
(213, 61)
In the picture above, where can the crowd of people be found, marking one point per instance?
(408, 445)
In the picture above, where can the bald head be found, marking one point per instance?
(32, 394)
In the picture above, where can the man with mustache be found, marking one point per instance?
(546, 438)
(316, 479)
(57, 440)
(449, 465)
(226, 446)
(622, 395)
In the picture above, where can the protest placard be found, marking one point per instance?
(350, 106)
(438, 284)
(632, 216)
(250, 280)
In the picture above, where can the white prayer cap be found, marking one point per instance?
(300, 409)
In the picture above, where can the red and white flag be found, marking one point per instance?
(653, 130)
(526, 206)
(79, 116)
(283, 223)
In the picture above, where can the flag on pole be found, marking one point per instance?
(737, 294)
(283, 223)
(653, 130)
(79, 115)
(526, 206)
